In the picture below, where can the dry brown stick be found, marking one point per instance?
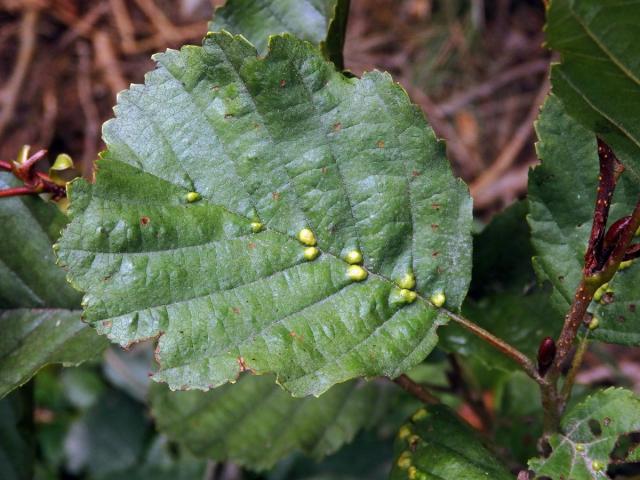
(165, 28)
(123, 24)
(513, 148)
(11, 90)
(89, 109)
(485, 89)
(506, 188)
(108, 63)
(83, 27)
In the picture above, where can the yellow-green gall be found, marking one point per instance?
(357, 273)
(311, 253)
(404, 432)
(353, 257)
(597, 466)
(307, 237)
(404, 460)
(638, 232)
(256, 227)
(594, 323)
(413, 440)
(438, 299)
(625, 264)
(408, 296)
(63, 162)
(579, 447)
(420, 415)
(192, 197)
(412, 473)
(408, 281)
(600, 291)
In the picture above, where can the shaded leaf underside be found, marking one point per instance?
(286, 141)
(589, 433)
(255, 422)
(599, 77)
(435, 444)
(39, 311)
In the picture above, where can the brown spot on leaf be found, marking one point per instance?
(107, 323)
(380, 144)
(435, 254)
(243, 366)
(324, 170)
(144, 221)
(621, 319)
(235, 310)
(337, 127)
(251, 245)
(435, 206)
(607, 298)
(283, 83)
(275, 196)
(415, 173)
(632, 307)
(434, 226)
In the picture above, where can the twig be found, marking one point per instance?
(108, 63)
(89, 109)
(10, 92)
(415, 389)
(83, 27)
(124, 25)
(485, 89)
(510, 351)
(513, 148)
(565, 393)
(165, 28)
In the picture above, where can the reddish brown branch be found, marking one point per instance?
(415, 389)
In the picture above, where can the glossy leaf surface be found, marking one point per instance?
(272, 146)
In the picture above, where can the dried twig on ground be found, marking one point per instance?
(10, 92)
(107, 62)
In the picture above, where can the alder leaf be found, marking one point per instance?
(39, 311)
(321, 22)
(255, 422)
(436, 444)
(598, 78)
(215, 166)
(589, 432)
(562, 192)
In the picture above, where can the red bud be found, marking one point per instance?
(546, 354)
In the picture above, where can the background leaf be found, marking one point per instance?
(321, 22)
(288, 142)
(16, 436)
(562, 193)
(255, 422)
(589, 432)
(39, 311)
(598, 79)
(436, 444)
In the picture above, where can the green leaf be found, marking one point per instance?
(109, 437)
(16, 437)
(321, 22)
(562, 194)
(598, 79)
(271, 146)
(435, 444)
(589, 432)
(255, 423)
(504, 297)
(39, 311)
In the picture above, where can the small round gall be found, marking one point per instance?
(353, 257)
(356, 273)
(408, 296)
(438, 299)
(404, 432)
(192, 197)
(625, 264)
(420, 415)
(594, 323)
(307, 237)
(597, 466)
(404, 460)
(256, 227)
(311, 253)
(408, 281)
